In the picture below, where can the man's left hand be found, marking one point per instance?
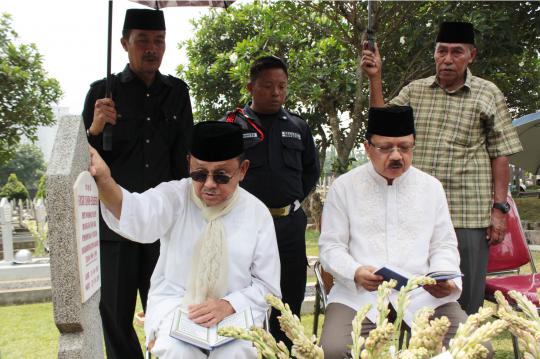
(497, 228)
(210, 312)
(441, 289)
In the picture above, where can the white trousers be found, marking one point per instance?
(167, 347)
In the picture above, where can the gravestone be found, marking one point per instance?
(72, 209)
(40, 214)
(21, 211)
(7, 229)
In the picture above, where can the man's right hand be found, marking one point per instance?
(98, 168)
(371, 61)
(104, 112)
(110, 192)
(365, 278)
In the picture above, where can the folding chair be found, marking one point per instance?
(325, 281)
(504, 262)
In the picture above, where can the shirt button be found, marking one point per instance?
(148, 119)
(146, 165)
(147, 95)
(174, 117)
(147, 140)
(284, 117)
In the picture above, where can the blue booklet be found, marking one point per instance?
(401, 280)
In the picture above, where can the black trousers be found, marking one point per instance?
(291, 239)
(126, 267)
(474, 252)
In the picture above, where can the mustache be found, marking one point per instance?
(149, 57)
(395, 164)
(209, 191)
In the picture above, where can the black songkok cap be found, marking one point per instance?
(144, 19)
(214, 141)
(394, 121)
(456, 33)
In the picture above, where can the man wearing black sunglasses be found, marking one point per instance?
(284, 168)
(218, 245)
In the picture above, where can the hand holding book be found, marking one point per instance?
(183, 328)
(393, 273)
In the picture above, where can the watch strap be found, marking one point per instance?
(504, 207)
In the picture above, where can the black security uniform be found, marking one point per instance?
(284, 167)
(149, 146)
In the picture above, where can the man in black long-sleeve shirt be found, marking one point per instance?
(151, 120)
(284, 168)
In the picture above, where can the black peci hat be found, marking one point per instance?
(393, 121)
(144, 19)
(214, 141)
(456, 32)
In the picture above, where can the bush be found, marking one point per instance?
(41, 192)
(14, 189)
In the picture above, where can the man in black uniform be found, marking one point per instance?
(284, 167)
(151, 120)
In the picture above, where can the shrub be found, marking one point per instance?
(14, 189)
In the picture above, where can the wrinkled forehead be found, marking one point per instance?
(453, 45)
(227, 165)
(140, 33)
(378, 139)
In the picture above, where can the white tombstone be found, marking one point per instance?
(21, 212)
(7, 235)
(87, 233)
(41, 214)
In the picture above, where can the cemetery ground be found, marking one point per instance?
(28, 331)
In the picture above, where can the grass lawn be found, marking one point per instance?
(528, 208)
(28, 331)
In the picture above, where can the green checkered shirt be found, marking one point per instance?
(457, 135)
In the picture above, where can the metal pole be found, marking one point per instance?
(107, 130)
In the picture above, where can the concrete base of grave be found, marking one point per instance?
(533, 236)
(25, 283)
(38, 268)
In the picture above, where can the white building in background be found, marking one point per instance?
(46, 135)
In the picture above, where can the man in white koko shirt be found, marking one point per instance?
(386, 213)
(218, 245)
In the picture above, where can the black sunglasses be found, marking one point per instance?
(201, 176)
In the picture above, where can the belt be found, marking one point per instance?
(284, 211)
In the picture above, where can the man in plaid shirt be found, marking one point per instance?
(463, 137)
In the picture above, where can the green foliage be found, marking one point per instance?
(27, 163)
(41, 190)
(14, 189)
(26, 91)
(322, 44)
(40, 237)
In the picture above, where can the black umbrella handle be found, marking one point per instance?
(107, 130)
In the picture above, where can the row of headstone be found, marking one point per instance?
(6, 223)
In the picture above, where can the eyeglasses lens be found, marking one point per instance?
(200, 176)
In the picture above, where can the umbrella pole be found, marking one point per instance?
(107, 130)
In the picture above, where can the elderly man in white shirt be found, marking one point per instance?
(218, 246)
(386, 213)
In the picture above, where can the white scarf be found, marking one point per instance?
(208, 277)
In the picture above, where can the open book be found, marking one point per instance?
(402, 280)
(207, 338)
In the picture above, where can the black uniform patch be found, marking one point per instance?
(290, 134)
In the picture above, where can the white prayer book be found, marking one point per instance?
(186, 330)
